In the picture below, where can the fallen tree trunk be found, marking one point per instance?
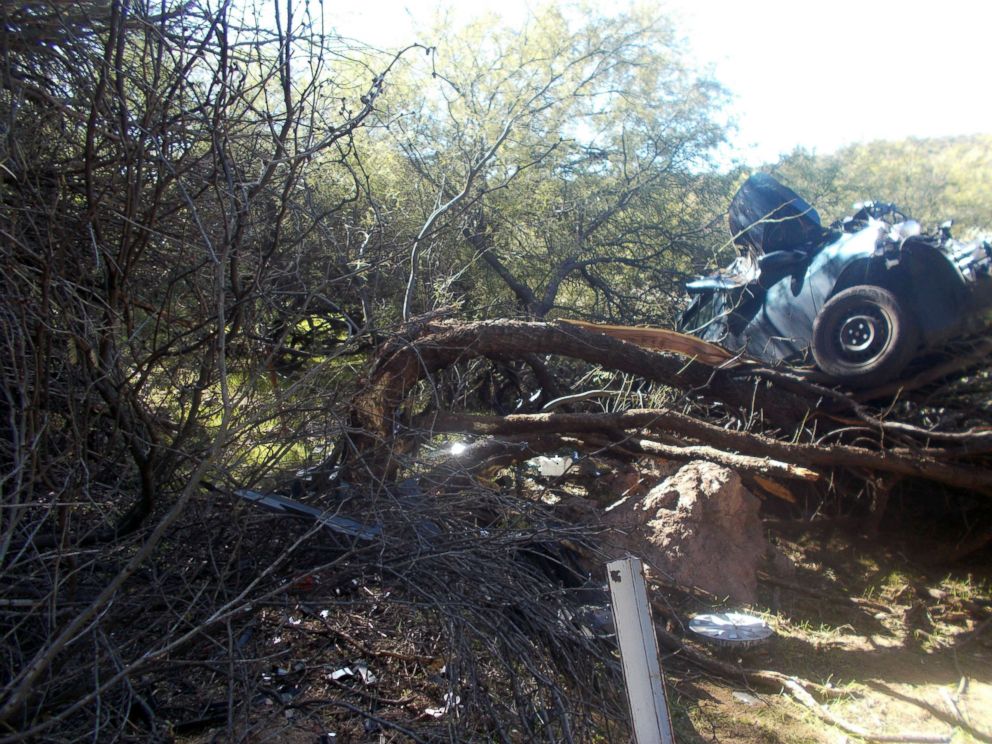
(766, 422)
(663, 339)
(439, 345)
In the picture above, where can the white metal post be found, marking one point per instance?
(639, 652)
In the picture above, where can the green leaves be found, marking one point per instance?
(932, 179)
(563, 157)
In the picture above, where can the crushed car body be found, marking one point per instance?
(862, 297)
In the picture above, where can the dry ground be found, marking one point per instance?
(909, 644)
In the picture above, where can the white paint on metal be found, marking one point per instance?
(639, 652)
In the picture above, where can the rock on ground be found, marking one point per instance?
(700, 526)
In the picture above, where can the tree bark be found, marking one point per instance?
(402, 365)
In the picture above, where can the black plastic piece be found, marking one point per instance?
(768, 216)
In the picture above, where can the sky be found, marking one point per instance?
(850, 71)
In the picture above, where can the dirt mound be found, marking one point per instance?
(701, 527)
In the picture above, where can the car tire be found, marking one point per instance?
(864, 337)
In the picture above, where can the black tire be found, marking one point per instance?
(863, 337)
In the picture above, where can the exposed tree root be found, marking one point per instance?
(828, 716)
(950, 716)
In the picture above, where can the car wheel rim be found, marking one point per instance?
(862, 335)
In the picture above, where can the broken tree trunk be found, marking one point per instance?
(848, 434)
(439, 345)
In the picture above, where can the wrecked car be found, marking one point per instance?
(861, 297)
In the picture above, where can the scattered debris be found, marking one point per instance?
(735, 629)
(552, 467)
(745, 697)
(284, 505)
(451, 701)
(339, 674)
(364, 674)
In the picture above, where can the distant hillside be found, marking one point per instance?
(932, 179)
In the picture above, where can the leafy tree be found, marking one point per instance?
(932, 179)
(553, 168)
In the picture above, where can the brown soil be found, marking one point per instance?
(909, 646)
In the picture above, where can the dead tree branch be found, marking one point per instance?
(725, 445)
